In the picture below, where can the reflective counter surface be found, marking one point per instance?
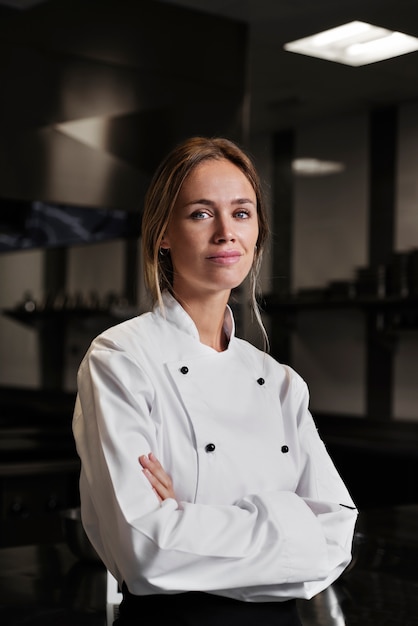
(47, 585)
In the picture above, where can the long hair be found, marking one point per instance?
(161, 198)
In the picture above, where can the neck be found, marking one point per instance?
(208, 314)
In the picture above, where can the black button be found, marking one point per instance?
(210, 447)
(285, 449)
(184, 369)
(261, 381)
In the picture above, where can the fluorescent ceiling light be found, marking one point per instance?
(316, 167)
(355, 43)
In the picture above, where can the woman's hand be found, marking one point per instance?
(161, 482)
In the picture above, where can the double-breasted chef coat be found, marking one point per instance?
(261, 512)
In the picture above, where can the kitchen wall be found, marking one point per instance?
(92, 97)
(406, 237)
(95, 271)
(21, 274)
(330, 243)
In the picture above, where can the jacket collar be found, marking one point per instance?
(174, 313)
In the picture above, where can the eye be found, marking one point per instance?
(242, 214)
(199, 215)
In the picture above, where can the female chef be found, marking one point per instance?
(205, 487)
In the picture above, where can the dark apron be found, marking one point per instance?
(196, 608)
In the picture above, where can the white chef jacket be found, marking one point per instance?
(261, 512)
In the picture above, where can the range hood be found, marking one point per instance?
(25, 225)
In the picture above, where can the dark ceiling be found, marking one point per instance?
(288, 89)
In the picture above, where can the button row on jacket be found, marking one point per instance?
(210, 447)
(185, 370)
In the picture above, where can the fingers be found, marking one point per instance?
(159, 479)
(152, 464)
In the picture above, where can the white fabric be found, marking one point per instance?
(254, 522)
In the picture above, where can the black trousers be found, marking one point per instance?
(196, 608)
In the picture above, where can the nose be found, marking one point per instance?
(224, 230)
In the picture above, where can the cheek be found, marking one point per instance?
(183, 253)
(252, 239)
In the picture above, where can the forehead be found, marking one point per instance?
(217, 175)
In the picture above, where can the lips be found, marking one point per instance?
(225, 257)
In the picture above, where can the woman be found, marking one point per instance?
(205, 487)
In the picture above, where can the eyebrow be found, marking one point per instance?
(210, 203)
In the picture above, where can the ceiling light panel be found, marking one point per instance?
(355, 43)
(316, 167)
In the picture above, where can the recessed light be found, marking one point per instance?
(316, 167)
(355, 43)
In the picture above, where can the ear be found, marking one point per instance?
(165, 243)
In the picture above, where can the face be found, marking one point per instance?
(213, 230)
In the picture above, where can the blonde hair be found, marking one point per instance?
(161, 198)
